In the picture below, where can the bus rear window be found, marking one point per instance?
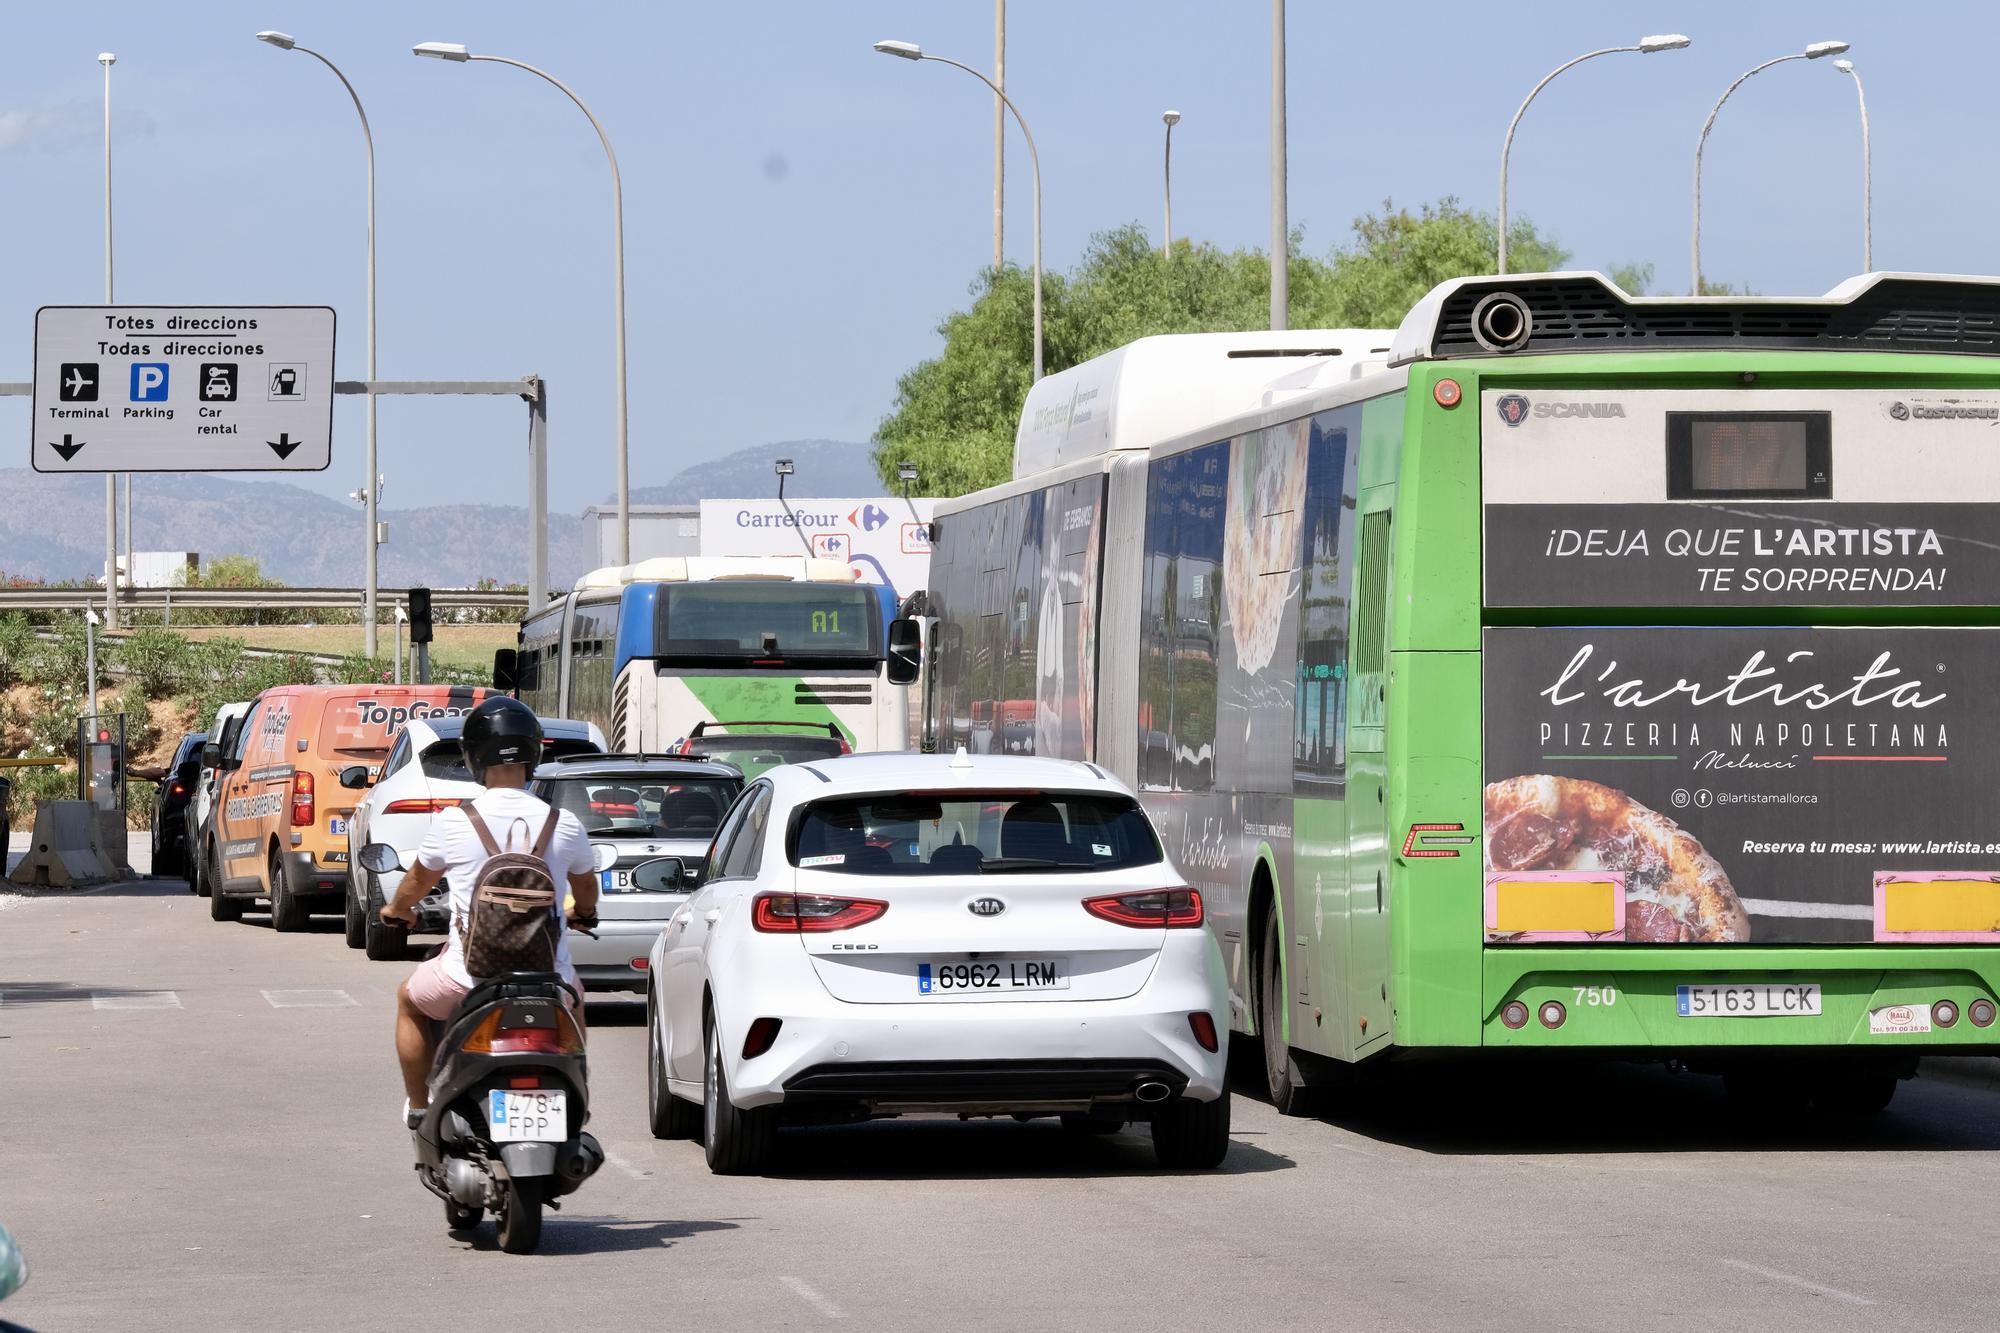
(780, 620)
(973, 833)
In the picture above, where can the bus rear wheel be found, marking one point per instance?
(1281, 1075)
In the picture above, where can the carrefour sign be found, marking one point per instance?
(886, 538)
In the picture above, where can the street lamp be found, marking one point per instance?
(1813, 52)
(1171, 119)
(911, 51)
(1646, 46)
(402, 619)
(1867, 173)
(459, 55)
(285, 42)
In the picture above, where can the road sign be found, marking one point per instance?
(183, 388)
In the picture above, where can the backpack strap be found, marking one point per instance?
(479, 827)
(548, 833)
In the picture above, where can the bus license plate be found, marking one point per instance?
(534, 1115)
(1011, 974)
(1756, 1000)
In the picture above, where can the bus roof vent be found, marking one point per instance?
(1155, 389)
(1574, 312)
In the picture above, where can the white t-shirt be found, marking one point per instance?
(515, 820)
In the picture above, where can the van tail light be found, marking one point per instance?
(795, 913)
(302, 799)
(1203, 1027)
(762, 1035)
(535, 1036)
(420, 805)
(1149, 910)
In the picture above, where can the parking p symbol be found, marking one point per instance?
(149, 382)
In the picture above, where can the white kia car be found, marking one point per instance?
(900, 933)
(423, 773)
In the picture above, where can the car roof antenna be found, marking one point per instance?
(961, 759)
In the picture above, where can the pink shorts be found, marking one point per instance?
(436, 993)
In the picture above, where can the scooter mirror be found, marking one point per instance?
(379, 857)
(603, 855)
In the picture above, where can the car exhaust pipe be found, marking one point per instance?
(1501, 322)
(1152, 1091)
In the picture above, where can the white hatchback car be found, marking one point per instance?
(899, 933)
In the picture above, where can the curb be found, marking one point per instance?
(1964, 1071)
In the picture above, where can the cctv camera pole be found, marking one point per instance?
(783, 467)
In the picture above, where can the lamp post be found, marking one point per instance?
(1645, 46)
(911, 51)
(1813, 52)
(1171, 119)
(108, 59)
(1867, 172)
(459, 55)
(402, 618)
(285, 42)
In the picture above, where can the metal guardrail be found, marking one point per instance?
(246, 599)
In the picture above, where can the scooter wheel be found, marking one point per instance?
(457, 1217)
(521, 1215)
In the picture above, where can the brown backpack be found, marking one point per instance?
(512, 924)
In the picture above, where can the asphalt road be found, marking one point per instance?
(201, 1133)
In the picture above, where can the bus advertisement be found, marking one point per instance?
(1593, 674)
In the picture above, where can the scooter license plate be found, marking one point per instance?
(531, 1115)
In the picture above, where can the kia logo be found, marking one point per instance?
(986, 907)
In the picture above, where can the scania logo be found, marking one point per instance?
(1513, 408)
(986, 907)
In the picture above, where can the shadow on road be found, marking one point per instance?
(986, 1149)
(131, 888)
(1470, 1109)
(20, 994)
(563, 1233)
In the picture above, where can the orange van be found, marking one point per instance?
(303, 757)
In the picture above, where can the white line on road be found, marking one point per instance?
(138, 999)
(307, 999)
(818, 1302)
(1801, 1283)
(635, 1172)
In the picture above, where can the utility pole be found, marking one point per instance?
(1281, 241)
(108, 59)
(999, 135)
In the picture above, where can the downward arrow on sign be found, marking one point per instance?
(66, 448)
(284, 444)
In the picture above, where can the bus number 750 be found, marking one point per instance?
(1596, 996)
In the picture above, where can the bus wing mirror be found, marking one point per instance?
(906, 648)
(506, 672)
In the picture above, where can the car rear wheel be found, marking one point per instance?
(288, 911)
(668, 1115)
(220, 906)
(737, 1142)
(1281, 1076)
(357, 918)
(383, 942)
(1192, 1135)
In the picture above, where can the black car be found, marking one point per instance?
(170, 806)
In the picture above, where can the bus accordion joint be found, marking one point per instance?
(1435, 839)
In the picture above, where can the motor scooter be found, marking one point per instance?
(509, 1095)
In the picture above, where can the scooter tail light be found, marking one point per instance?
(491, 1038)
(796, 913)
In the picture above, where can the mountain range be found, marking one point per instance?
(52, 527)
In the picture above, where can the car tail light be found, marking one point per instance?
(640, 963)
(422, 805)
(492, 1037)
(1515, 1015)
(1944, 1013)
(845, 748)
(302, 799)
(1981, 1013)
(1204, 1030)
(762, 1034)
(1149, 909)
(1552, 1013)
(791, 913)
(177, 790)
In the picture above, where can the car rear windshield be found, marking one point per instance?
(972, 833)
(754, 754)
(363, 724)
(645, 805)
(445, 761)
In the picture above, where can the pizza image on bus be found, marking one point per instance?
(1674, 892)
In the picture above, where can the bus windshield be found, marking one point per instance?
(769, 620)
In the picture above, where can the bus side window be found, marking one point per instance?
(1319, 741)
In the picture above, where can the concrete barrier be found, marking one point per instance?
(70, 849)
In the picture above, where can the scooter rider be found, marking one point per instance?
(502, 743)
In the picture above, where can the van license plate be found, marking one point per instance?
(1008, 974)
(336, 826)
(1756, 1000)
(534, 1115)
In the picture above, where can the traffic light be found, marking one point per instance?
(420, 615)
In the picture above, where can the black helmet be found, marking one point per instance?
(500, 731)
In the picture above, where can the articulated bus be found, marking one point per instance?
(1566, 672)
(768, 644)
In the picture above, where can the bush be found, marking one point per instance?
(158, 660)
(38, 784)
(140, 733)
(52, 728)
(139, 797)
(60, 658)
(17, 648)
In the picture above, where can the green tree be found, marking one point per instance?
(234, 571)
(955, 414)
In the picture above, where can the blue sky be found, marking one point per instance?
(800, 211)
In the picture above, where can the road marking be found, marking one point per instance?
(626, 1166)
(307, 999)
(818, 1302)
(140, 999)
(1801, 1283)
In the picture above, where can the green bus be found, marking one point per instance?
(1563, 672)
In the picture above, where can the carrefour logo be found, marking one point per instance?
(867, 518)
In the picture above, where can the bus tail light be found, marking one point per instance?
(1981, 1013)
(796, 913)
(1150, 909)
(1552, 1014)
(1945, 1013)
(302, 800)
(1515, 1015)
(1446, 393)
